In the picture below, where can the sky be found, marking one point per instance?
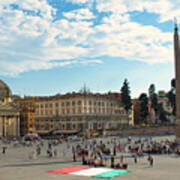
(57, 46)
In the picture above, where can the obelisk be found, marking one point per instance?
(177, 78)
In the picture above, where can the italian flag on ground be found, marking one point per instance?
(91, 171)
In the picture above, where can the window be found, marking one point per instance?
(42, 105)
(103, 110)
(94, 103)
(68, 111)
(50, 105)
(99, 103)
(79, 102)
(94, 110)
(63, 112)
(68, 126)
(57, 112)
(73, 103)
(57, 104)
(67, 103)
(62, 104)
(102, 103)
(90, 102)
(46, 112)
(79, 110)
(90, 110)
(73, 111)
(46, 105)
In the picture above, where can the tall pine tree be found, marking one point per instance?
(126, 98)
(143, 107)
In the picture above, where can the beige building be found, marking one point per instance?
(77, 112)
(27, 115)
(9, 113)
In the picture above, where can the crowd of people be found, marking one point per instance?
(97, 152)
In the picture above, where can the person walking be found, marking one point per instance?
(112, 161)
(4, 149)
(114, 150)
(135, 159)
(151, 161)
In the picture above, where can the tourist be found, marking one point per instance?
(4, 149)
(112, 161)
(151, 161)
(55, 152)
(121, 159)
(135, 159)
(114, 150)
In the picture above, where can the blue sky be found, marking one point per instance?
(57, 46)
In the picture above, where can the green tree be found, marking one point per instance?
(162, 113)
(151, 91)
(126, 98)
(143, 106)
(172, 96)
(153, 98)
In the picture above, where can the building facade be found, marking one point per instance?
(27, 115)
(80, 112)
(9, 113)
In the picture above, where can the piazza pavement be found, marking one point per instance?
(16, 165)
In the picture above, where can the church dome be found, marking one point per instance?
(4, 90)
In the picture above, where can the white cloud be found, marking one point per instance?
(79, 14)
(167, 9)
(30, 42)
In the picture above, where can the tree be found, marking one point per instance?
(172, 96)
(143, 106)
(153, 98)
(151, 91)
(126, 98)
(162, 113)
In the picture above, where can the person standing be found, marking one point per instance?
(112, 161)
(135, 159)
(121, 159)
(4, 149)
(114, 150)
(151, 161)
(74, 154)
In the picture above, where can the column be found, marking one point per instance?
(1, 125)
(5, 130)
(14, 126)
(17, 126)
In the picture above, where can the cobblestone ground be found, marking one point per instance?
(15, 165)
